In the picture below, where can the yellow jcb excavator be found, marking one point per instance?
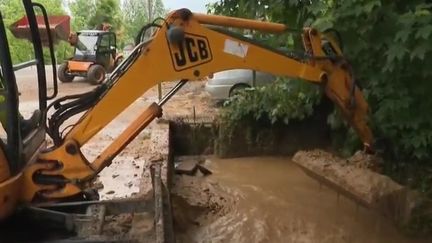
(187, 46)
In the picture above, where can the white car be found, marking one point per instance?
(226, 83)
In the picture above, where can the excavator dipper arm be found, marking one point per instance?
(186, 47)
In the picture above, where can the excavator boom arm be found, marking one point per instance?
(186, 48)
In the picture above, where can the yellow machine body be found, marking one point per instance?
(184, 48)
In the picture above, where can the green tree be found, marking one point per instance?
(293, 13)
(137, 13)
(81, 10)
(106, 11)
(62, 49)
(21, 50)
(389, 45)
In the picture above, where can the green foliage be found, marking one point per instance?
(284, 100)
(293, 13)
(136, 15)
(290, 12)
(92, 14)
(126, 17)
(391, 52)
(81, 10)
(279, 102)
(22, 50)
(106, 11)
(63, 50)
(388, 43)
(12, 11)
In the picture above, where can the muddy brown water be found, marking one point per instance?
(274, 201)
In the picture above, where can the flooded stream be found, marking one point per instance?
(272, 200)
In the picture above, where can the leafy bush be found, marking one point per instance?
(389, 43)
(281, 101)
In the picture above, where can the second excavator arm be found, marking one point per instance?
(187, 46)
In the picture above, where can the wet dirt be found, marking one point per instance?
(351, 173)
(270, 199)
(130, 226)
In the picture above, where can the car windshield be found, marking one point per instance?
(86, 44)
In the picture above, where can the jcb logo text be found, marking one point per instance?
(193, 51)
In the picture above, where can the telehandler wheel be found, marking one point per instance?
(63, 75)
(96, 74)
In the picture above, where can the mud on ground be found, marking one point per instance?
(353, 178)
(196, 202)
(270, 199)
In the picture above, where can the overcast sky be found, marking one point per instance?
(193, 5)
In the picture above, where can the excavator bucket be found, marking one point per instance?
(59, 26)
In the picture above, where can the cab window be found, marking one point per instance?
(104, 43)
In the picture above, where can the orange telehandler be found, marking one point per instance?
(187, 46)
(95, 54)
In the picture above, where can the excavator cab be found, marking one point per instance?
(18, 148)
(95, 54)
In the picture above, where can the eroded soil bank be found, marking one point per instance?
(270, 199)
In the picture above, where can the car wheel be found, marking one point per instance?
(236, 89)
(63, 75)
(96, 74)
